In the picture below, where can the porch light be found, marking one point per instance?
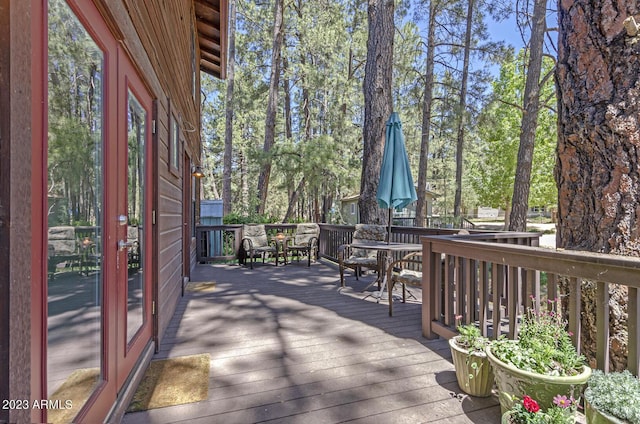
(197, 172)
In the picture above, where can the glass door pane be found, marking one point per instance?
(136, 135)
(75, 178)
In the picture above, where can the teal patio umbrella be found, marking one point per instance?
(395, 188)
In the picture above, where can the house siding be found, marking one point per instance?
(165, 63)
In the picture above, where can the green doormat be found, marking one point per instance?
(73, 392)
(173, 381)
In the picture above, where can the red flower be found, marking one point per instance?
(530, 404)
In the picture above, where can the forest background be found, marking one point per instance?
(315, 157)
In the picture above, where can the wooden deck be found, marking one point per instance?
(288, 347)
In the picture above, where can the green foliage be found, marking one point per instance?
(321, 94)
(499, 132)
(544, 346)
(615, 393)
(235, 218)
(471, 339)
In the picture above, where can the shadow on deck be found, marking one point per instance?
(286, 346)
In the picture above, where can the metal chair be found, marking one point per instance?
(406, 271)
(255, 243)
(358, 258)
(305, 241)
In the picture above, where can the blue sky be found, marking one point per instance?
(506, 31)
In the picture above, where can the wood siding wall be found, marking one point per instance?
(20, 358)
(5, 201)
(159, 37)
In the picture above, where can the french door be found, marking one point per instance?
(133, 260)
(99, 189)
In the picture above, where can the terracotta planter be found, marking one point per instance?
(513, 382)
(473, 370)
(595, 416)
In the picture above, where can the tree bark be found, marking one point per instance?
(228, 133)
(378, 106)
(599, 145)
(272, 105)
(520, 199)
(293, 200)
(426, 116)
(462, 106)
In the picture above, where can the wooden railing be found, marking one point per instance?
(492, 284)
(333, 236)
(222, 242)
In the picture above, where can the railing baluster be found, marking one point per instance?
(512, 300)
(447, 294)
(552, 290)
(468, 298)
(633, 328)
(574, 311)
(458, 275)
(483, 295)
(602, 323)
(496, 289)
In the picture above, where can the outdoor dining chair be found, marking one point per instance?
(305, 241)
(255, 243)
(406, 271)
(358, 258)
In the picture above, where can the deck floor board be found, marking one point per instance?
(287, 346)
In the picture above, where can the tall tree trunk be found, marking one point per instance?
(286, 85)
(378, 103)
(272, 105)
(598, 139)
(462, 106)
(520, 199)
(293, 200)
(426, 116)
(228, 133)
(244, 184)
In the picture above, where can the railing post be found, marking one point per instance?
(429, 285)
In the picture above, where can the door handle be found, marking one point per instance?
(123, 245)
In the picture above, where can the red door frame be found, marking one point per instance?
(128, 353)
(99, 404)
(101, 401)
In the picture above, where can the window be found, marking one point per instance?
(174, 145)
(353, 209)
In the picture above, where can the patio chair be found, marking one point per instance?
(255, 243)
(305, 241)
(358, 258)
(62, 248)
(406, 271)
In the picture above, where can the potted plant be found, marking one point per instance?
(612, 398)
(541, 363)
(473, 370)
(527, 410)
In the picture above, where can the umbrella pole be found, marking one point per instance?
(389, 232)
